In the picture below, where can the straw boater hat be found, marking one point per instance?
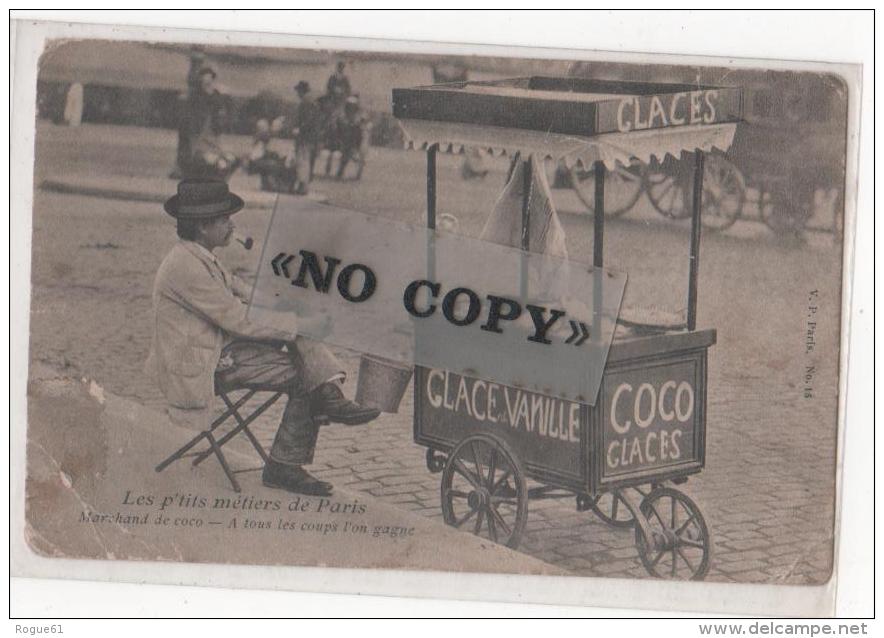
(203, 199)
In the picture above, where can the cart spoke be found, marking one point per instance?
(461, 469)
(479, 520)
(503, 500)
(502, 523)
(673, 514)
(674, 569)
(500, 481)
(684, 525)
(682, 199)
(691, 543)
(457, 493)
(669, 184)
(492, 528)
(679, 198)
(657, 516)
(667, 199)
(657, 558)
(476, 461)
(491, 467)
(465, 518)
(727, 183)
(685, 559)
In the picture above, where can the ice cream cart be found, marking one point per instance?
(646, 431)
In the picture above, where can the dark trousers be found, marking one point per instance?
(182, 156)
(263, 366)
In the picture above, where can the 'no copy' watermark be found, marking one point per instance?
(434, 299)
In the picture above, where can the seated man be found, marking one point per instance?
(202, 338)
(267, 163)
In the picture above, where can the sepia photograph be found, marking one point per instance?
(376, 309)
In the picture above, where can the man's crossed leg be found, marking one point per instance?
(263, 366)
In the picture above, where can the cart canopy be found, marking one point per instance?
(575, 120)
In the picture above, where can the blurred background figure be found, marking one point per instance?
(351, 131)
(205, 118)
(182, 155)
(307, 126)
(338, 85)
(264, 161)
(327, 135)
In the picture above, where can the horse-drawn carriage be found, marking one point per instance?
(784, 157)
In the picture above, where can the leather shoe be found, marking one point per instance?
(329, 401)
(294, 479)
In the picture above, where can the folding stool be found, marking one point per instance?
(215, 443)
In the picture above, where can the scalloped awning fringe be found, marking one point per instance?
(610, 148)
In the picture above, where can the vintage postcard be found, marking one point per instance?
(363, 308)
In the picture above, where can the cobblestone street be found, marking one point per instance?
(767, 491)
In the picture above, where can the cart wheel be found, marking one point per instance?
(610, 507)
(623, 187)
(679, 546)
(724, 191)
(483, 489)
(668, 185)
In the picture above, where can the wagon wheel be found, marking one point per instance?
(483, 489)
(612, 509)
(724, 191)
(623, 187)
(679, 545)
(786, 213)
(668, 185)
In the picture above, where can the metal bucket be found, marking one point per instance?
(382, 383)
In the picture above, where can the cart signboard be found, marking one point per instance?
(545, 432)
(648, 424)
(682, 108)
(571, 106)
(652, 417)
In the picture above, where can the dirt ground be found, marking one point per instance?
(767, 491)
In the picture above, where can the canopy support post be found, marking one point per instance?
(598, 226)
(431, 185)
(598, 245)
(431, 210)
(696, 209)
